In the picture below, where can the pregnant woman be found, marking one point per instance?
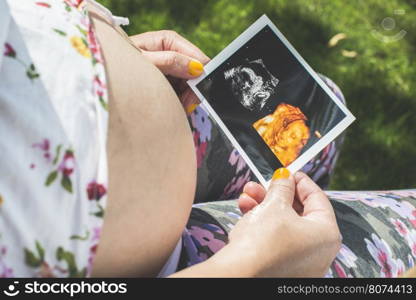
(100, 170)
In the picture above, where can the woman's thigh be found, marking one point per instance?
(378, 231)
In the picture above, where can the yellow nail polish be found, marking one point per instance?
(281, 173)
(191, 108)
(195, 68)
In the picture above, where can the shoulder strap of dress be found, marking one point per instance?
(103, 12)
(5, 20)
(114, 20)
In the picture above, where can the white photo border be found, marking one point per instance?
(225, 54)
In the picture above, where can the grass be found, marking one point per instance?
(380, 148)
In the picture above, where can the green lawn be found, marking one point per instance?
(380, 149)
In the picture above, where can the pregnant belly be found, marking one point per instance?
(152, 168)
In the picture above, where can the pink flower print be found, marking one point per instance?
(44, 145)
(99, 89)
(99, 86)
(411, 241)
(31, 71)
(9, 51)
(5, 271)
(236, 185)
(347, 257)
(65, 167)
(412, 220)
(74, 3)
(95, 191)
(237, 159)
(96, 234)
(45, 271)
(401, 228)
(202, 124)
(201, 149)
(339, 270)
(404, 231)
(43, 4)
(206, 238)
(94, 45)
(93, 249)
(381, 253)
(68, 163)
(93, 252)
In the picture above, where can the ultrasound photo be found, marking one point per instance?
(251, 83)
(269, 102)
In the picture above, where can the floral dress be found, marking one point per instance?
(53, 124)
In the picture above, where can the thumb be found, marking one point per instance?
(281, 189)
(175, 64)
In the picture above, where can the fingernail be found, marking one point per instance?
(244, 194)
(281, 173)
(195, 68)
(191, 108)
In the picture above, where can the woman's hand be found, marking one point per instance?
(175, 57)
(288, 231)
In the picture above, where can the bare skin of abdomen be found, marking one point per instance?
(152, 164)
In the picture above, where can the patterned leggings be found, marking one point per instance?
(378, 227)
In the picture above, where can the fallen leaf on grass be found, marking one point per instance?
(350, 54)
(336, 38)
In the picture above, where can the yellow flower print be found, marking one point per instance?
(80, 46)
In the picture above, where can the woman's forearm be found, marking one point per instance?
(225, 263)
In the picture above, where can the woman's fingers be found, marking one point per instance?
(306, 191)
(175, 64)
(281, 189)
(175, 56)
(246, 203)
(255, 191)
(315, 203)
(253, 194)
(297, 206)
(189, 101)
(168, 40)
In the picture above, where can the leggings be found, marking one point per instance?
(378, 228)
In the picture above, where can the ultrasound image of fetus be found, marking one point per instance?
(252, 84)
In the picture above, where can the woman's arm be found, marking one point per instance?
(225, 263)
